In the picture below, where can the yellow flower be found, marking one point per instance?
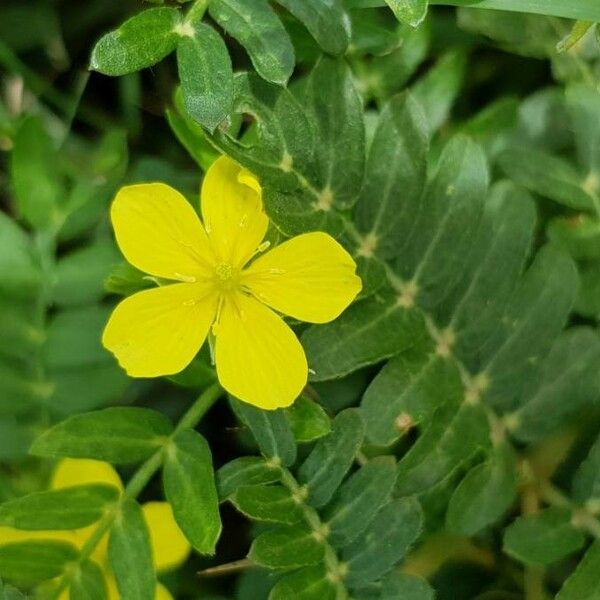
(169, 546)
(222, 287)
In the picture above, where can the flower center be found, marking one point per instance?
(226, 276)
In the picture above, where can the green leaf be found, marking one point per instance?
(583, 104)
(35, 560)
(205, 73)
(567, 386)
(271, 503)
(387, 539)
(578, 235)
(396, 167)
(81, 273)
(326, 21)
(18, 270)
(586, 482)
(286, 547)
(359, 499)
(270, 429)
(130, 553)
(246, 470)
(407, 391)
(407, 587)
(189, 483)
(583, 584)
(35, 175)
(332, 102)
(368, 331)
(254, 24)
(438, 88)
(547, 175)
(485, 494)
(397, 585)
(89, 583)
(73, 337)
(453, 436)
(142, 41)
(327, 464)
(68, 508)
(120, 435)
(190, 134)
(411, 12)
(309, 583)
(308, 420)
(543, 538)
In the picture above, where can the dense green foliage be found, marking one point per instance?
(447, 443)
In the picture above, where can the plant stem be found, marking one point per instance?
(197, 11)
(335, 569)
(39, 86)
(140, 479)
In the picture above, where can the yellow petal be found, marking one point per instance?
(232, 211)
(159, 232)
(162, 593)
(169, 546)
(81, 471)
(159, 331)
(310, 277)
(259, 359)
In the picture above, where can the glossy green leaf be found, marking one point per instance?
(189, 483)
(271, 503)
(130, 553)
(205, 73)
(327, 464)
(485, 494)
(326, 21)
(140, 42)
(120, 435)
(308, 420)
(543, 538)
(358, 500)
(68, 508)
(286, 547)
(387, 539)
(35, 561)
(397, 585)
(411, 12)
(579, 236)
(254, 24)
(88, 583)
(246, 470)
(270, 429)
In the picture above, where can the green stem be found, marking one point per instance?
(140, 479)
(196, 13)
(335, 569)
(39, 86)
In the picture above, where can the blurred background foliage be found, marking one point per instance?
(525, 87)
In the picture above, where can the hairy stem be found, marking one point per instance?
(140, 479)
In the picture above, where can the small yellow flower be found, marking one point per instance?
(170, 548)
(222, 287)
